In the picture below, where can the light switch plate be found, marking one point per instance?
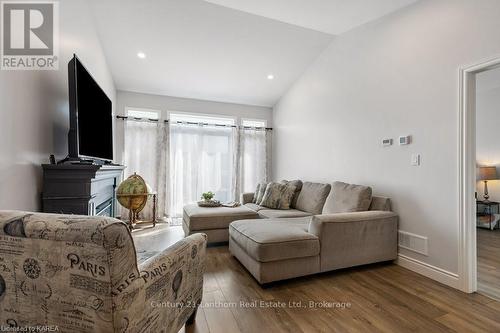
(404, 140)
(415, 159)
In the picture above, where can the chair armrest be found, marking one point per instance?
(246, 197)
(357, 238)
(170, 288)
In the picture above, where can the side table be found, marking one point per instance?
(485, 214)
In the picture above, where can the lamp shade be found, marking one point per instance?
(487, 173)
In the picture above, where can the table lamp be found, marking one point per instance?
(487, 173)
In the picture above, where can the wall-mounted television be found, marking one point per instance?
(90, 135)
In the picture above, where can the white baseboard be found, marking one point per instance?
(432, 272)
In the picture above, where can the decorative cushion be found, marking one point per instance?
(312, 197)
(380, 203)
(298, 186)
(260, 194)
(255, 194)
(278, 196)
(345, 198)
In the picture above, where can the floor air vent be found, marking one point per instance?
(412, 242)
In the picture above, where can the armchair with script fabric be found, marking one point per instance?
(80, 274)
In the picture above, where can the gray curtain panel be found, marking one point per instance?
(146, 152)
(252, 159)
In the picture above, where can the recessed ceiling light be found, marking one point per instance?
(270, 77)
(141, 55)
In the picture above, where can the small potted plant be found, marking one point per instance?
(207, 196)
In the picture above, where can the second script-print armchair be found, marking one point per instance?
(80, 274)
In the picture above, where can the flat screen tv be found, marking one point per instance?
(91, 124)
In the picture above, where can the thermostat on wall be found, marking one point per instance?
(386, 142)
(404, 140)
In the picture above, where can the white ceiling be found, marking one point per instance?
(201, 50)
(330, 16)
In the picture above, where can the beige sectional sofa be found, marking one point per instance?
(353, 228)
(328, 226)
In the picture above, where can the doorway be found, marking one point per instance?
(474, 245)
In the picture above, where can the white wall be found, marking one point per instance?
(395, 76)
(34, 109)
(167, 104)
(488, 128)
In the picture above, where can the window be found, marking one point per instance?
(143, 113)
(191, 118)
(253, 123)
(195, 153)
(201, 159)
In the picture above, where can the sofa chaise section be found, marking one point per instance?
(214, 222)
(275, 249)
(282, 248)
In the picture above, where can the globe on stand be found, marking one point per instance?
(133, 195)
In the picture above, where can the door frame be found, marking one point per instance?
(467, 265)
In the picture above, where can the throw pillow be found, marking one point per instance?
(278, 196)
(312, 197)
(262, 189)
(345, 198)
(255, 194)
(298, 186)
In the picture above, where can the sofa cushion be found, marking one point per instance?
(312, 197)
(298, 186)
(259, 195)
(203, 218)
(254, 207)
(280, 213)
(278, 196)
(269, 240)
(345, 198)
(380, 203)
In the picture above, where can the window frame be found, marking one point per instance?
(128, 109)
(254, 120)
(203, 117)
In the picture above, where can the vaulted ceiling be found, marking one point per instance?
(329, 16)
(222, 50)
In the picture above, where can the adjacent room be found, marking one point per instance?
(488, 190)
(250, 166)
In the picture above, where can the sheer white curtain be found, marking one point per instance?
(254, 163)
(146, 153)
(201, 160)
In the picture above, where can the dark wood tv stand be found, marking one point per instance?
(84, 189)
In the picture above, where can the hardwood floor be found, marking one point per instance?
(375, 298)
(382, 298)
(488, 262)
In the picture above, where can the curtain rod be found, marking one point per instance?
(193, 123)
(140, 119)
